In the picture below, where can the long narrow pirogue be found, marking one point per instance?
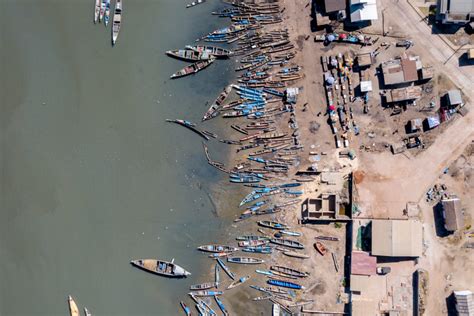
(164, 268)
(73, 310)
(193, 68)
(215, 51)
(217, 248)
(117, 21)
(190, 126)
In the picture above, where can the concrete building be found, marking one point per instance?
(454, 97)
(452, 214)
(331, 6)
(362, 263)
(326, 207)
(363, 10)
(405, 69)
(403, 94)
(464, 303)
(397, 238)
(455, 11)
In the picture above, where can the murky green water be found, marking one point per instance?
(91, 175)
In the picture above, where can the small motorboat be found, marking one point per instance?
(86, 312)
(319, 246)
(163, 268)
(73, 310)
(244, 260)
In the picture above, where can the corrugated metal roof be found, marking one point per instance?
(403, 94)
(396, 238)
(453, 219)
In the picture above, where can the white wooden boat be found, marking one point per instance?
(73, 310)
(117, 21)
(102, 10)
(96, 11)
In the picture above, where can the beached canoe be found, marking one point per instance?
(73, 310)
(287, 243)
(217, 275)
(252, 237)
(244, 260)
(252, 243)
(221, 306)
(329, 238)
(215, 51)
(272, 225)
(290, 233)
(295, 254)
(286, 284)
(217, 248)
(289, 271)
(206, 293)
(188, 54)
(186, 309)
(193, 68)
(117, 21)
(226, 269)
(203, 286)
(238, 282)
(107, 13)
(319, 246)
(213, 110)
(96, 11)
(86, 312)
(258, 249)
(160, 267)
(219, 254)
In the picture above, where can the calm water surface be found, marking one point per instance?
(91, 175)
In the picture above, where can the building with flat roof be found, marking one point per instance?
(397, 238)
(363, 10)
(403, 94)
(452, 214)
(334, 5)
(405, 69)
(454, 97)
(455, 11)
(464, 303)
(362, 263)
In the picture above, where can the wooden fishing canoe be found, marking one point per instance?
(217, 248)
(117, 21)
(188, 54)
(193, 68)
(244, 260)
(73, 310)
(203, 286)
(160, 267)
(272, 225)
(215, 51)
(295, 254)
(289, 271)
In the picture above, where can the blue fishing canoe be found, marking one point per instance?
(286, 284)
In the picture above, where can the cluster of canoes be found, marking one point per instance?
(200, 56)
(102, 11)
